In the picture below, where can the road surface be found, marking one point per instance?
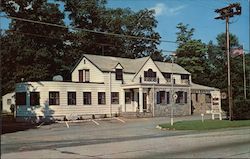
(136, 138)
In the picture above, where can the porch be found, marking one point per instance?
(150, 100)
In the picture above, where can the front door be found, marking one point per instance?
(144, 101)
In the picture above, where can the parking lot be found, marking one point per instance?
(109, 138)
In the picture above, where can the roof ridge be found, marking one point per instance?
(115, 56)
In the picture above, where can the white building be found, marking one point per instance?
(7, 100)
(104, 85)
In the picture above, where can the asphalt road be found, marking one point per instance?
(136, 138)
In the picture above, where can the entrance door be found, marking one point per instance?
(144, 101)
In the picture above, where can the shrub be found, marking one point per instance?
(241, 109)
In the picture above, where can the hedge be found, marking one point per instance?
(241, 109)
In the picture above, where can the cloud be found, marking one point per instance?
(159, 8)
(162, 9)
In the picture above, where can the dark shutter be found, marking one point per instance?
(158, 98)
(168, 99)
(185, 97)
(80, 75)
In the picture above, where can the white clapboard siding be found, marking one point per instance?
(95, 74)
(67, 110)
(177, 78)
(150, 65)
(63, 108)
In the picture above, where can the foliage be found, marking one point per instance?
(206, 125)
(37, 52)
(94, 15)
(191, 54)
(25, 54)
(241, 109)
(217, 59)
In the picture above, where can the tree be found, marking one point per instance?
(94, 15)
(29, 50)
(191, 54)
(217, 58)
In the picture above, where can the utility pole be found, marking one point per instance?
(172, 90)
(225, 14)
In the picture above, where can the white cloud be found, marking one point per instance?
(162, 9)
(159, 8)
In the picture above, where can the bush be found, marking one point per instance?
(241, 109)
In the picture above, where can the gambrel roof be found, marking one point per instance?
(108, 63)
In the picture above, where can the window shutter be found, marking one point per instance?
(158, 98)
(168, 98)
(185, 96)
(80, 75)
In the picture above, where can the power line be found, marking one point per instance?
(88, 30)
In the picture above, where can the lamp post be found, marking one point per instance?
(172, 90)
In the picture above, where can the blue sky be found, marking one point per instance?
(199, 14)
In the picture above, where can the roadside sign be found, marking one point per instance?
(175, 96)
(223, 95)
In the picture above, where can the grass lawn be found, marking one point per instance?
(206, 125)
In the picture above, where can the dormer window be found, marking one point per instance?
(118, 74)
(185, 79)
(167, 77)
(150, 75)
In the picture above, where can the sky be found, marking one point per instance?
(198, 14)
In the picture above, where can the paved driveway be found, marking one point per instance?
(136, 138)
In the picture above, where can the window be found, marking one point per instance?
(196, 97)
(185, 77)
(87, 98)
(118, 74)
(163, 97)
(167, 75)
(8, 101)
(128, 97)
(34, 98)
(21, 98)
(114, 97)
(71, 98)
(101, 98)
(181, 97)
(150, 75)
(208, 98)
(54, 98)
(84, 76)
